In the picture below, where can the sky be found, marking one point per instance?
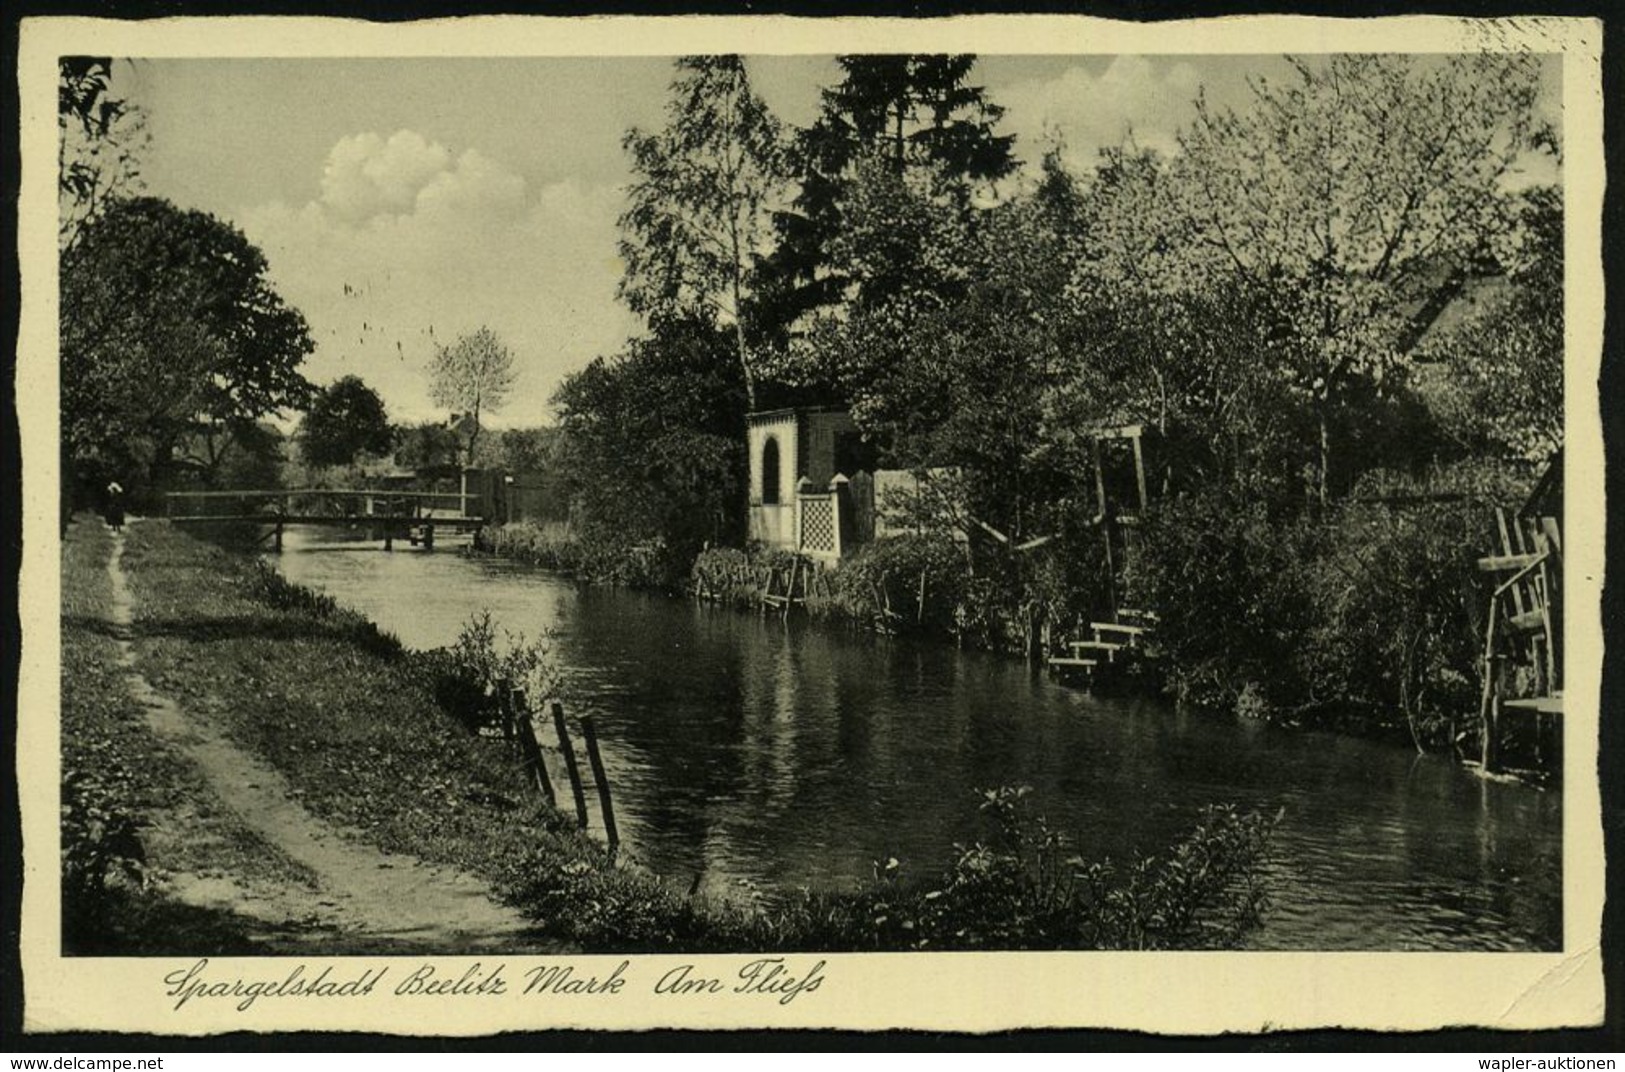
(403, 202)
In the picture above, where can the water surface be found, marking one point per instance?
(746, 753)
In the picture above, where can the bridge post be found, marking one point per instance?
(428, 535)
(389, 536)
(277, 543)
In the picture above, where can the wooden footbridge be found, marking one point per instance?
(416, 516)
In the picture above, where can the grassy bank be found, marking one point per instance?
(347, 716)
(136, 815)
(353, 723)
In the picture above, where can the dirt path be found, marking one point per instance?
(395, 900)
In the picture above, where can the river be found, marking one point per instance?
(747, 754)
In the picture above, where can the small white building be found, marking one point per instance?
(800, 463)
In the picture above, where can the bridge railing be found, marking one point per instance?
(334, 503)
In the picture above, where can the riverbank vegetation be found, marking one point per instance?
(1340, 364)
(371, 739)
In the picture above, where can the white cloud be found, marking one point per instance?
(410, 244)
(1150, 100)
(366, 175)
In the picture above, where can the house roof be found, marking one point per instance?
(767, 416)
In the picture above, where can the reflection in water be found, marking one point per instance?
(747, 752)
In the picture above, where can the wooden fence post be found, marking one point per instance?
(1490, 746)
(590, 732)
(508, 701)
(570, 766)
(531, 752)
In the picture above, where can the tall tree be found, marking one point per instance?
(652, 442)
(100, 140)
(899, 113)
(170, 334)
(346, 419)
(472, 375)
(1362, 191)
(1176, 340)
(699, 215)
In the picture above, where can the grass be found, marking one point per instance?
(124, 791)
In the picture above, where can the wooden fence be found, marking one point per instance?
(524, 742)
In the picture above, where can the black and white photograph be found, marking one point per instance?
(561, 527)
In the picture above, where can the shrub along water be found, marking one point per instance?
(1365, 617)
(597, 562)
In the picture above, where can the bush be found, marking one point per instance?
(1025, 888)
(1022, 888)
(904, 584)
(1368, 618)
(1228, 581)
(101, 850)
(467, 679)
(1397, 615)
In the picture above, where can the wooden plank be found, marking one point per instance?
(1554, 534)
(1531, 541)
(1507, 563)
(1540, 705)
(1058, 660)
(1116, 627)
(1528, 620)
(1144, 615)
(1511, 549)
(1095, 645)
(326, 519)
(287, 493)
(1105, 529)
(1139, 471)
(606, 807)
(1115, 431)
(570, 766)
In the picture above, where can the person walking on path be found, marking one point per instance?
(115, 505)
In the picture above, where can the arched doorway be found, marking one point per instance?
(770, 471)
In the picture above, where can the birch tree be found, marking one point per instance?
(472, 375)
(701, 202)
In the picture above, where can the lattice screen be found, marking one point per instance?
(818, 525)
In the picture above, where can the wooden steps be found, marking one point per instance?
(1111, 648)
(1523, 629)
